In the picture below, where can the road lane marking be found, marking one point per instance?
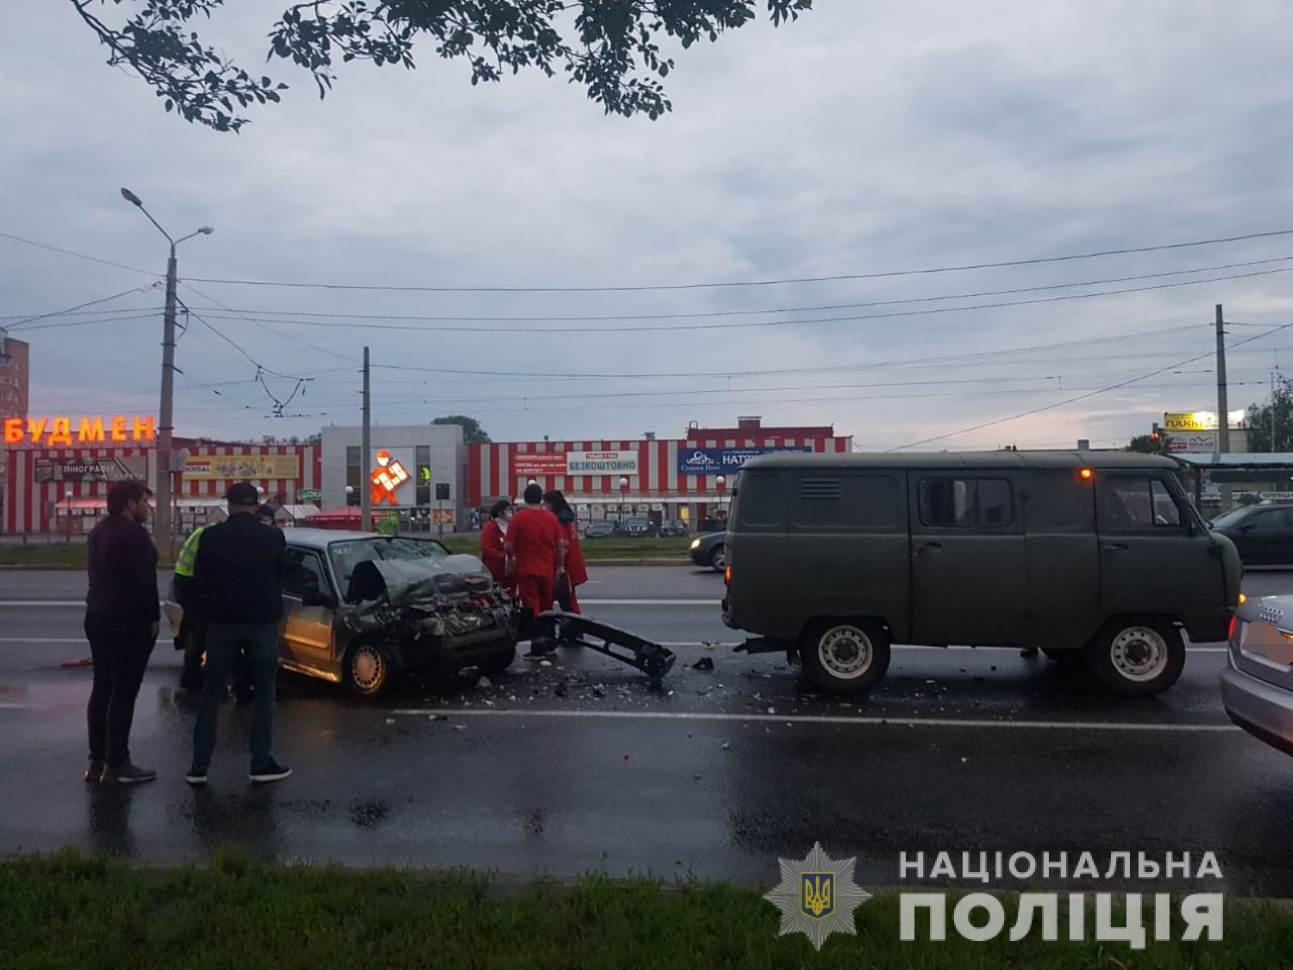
(870, 721)
(28, 603)
(43, 640)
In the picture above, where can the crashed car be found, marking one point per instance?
(360, 608)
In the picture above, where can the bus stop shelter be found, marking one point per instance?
(1266, 475)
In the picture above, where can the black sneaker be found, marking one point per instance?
(197, 777)
(271, 771)
(94, 772)
(127, 774)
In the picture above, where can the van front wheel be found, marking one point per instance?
(844, 656)
(1138, 656)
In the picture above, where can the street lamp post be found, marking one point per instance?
(721, 482)
(624, 491)
(164, 532)
(67, 525)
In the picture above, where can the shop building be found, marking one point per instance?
(61, 467)
(681, 480)
(415, 473)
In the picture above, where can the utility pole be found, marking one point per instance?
(365, 493)
(1223, 410)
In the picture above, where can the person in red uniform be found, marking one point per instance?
(535, 545)
(493, 547)
(576, 571)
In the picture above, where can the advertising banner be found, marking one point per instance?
(1200, 441)
(536, 466)
(205, 467)
(722, 461)
(1199, 420)
(602, 462)
(90, 469)
(390, 479)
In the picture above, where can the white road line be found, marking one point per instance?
(27, 603)
(644, 602)
(43, 640)
(828, 719)
(19, 707)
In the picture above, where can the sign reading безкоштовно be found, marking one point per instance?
(602, 462)
(719, 461)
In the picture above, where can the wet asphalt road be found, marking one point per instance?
(579, 766)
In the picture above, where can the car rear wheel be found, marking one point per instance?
(367, 670)
(718, 558)
(844, 656)
(1138, 656)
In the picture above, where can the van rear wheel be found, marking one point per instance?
(1138, 656)
(844, 656)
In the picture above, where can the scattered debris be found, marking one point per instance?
(545, 663)
(772, 710)
(390, 720)
(704, 663)
(460, 727)
(931, 682)
(484, 683)
(695, 777)
(439, 717)
(599, 691)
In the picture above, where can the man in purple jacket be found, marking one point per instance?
(121, 622)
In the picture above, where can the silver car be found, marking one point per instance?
(359, 608)
(1257, 684)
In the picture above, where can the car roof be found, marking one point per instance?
(308, 538)
(966, 459)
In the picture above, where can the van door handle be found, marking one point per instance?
(928, 547)
(1115, 547)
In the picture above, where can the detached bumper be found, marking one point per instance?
(1263, 711)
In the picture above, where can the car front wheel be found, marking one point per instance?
(367, 670)
(844, 656)
(1138, 656)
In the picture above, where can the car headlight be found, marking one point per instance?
(695, 544)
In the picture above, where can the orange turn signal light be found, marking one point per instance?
(1243, 598)
(1086, 474)
(727, 575)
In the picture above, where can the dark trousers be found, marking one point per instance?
(192, 640)
(224, 643)
(120, 653)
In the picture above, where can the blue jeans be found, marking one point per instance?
(224, 643)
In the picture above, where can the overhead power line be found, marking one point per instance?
(259, 313)
(752, 325)
(888, 274)
(69, 252)
(79, 306)
(1083, 397)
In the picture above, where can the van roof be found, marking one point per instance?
(965, 459)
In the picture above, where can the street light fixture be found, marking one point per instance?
(624, 491)
(164, 531)
(721, 482)
(67, 526)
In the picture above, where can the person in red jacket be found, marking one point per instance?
(493, 546)
(576, 571)
(535, 545)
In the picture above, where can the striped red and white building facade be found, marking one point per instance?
(55, 490)
(659, 481)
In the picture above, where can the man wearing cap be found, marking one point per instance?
(239, 577)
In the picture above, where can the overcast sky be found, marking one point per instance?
(868, 137)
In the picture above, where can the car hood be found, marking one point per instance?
(405, 581)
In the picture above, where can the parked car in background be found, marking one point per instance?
(674, 528)
(599, 529)
(635, 528)
(711, 551)
(1257, 684)
(359, 608)
(1263, 534)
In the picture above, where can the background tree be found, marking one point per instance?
(611, 47)
(1149, 444)
(472, 432)
(1270, 425)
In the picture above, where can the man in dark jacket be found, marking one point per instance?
(121, 621)
(239, 577)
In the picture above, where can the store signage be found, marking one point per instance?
(720, 461)
(90, 469)
(602, 462)
(208, 467)
(538, 465)
(1199, 420)
(386, 478)
(308, 495)
(1198, 442)
(61, 430)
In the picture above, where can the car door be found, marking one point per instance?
(307, 630)
(1262, 537)
(1063, 603)
(968, 558)
(1151, 558)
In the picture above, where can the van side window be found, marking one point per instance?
(966, 502)
(761, 501)
(1059, 502)
(1137, 504)
(845, 501)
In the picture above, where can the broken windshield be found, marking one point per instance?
(349, 553)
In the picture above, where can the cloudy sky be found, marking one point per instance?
(872, 136)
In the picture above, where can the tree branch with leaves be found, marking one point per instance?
(610, 47)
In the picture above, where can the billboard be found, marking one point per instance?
(722, 461)
(1199, 441)
(602, 462)
(206, 467)
(536, 465)
(390, 479)
(1199, 420)
(90, 469)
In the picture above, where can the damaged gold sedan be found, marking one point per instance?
(361, 608)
